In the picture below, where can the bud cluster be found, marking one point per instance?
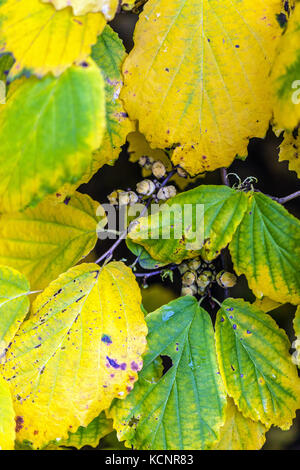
(148, 188)
(197, 276)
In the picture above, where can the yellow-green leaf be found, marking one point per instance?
(240, 433)
(82, 7)
(109, 54)
(266, 248)
(81, 348)
(7, 418)
(223, 210)
(286, 75)
(46, 241)
(290, 150)
(14, 304)
(183, 408)
(255, 364)
(44, 40)
(62, 122)
(198, 77)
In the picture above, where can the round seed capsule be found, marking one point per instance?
(158, 169)
(166, 193)
(146, 162)
(194, 264)
(188, 278)
(203, 281)
(191, 290)
(145, 187)
(183, 268)
(226, 279)
(181, 172)
(114, 197)
(124, 198)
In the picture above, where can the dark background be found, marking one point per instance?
(273, 177)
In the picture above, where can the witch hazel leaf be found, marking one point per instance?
(81, 348)
(255, 364)
(61, 124)
(266, 249)
(82, 7)
(286, 76)
(45, 241)
(158, 414)
(290, 150)
(14, 305)
(180, 84)
(44, 40)
(240, 433)
(7, 418)
(216, 212)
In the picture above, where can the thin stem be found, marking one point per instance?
(224, 176)
(283, 200)
(155, 273)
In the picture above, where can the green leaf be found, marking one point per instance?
(255, 364)
(184, 408)
(87, 436)
(266, 248)
(6, 62)
(145, 260)
(14, 304)
(45, 241)
(223, 211)
(240, 433)
(7, 418)
(61, 123)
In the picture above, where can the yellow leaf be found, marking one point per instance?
(265, 304)
(80, 349)
(7, 418)
(286, 76)
(290, 150)
(198, 77)
(240, 433)
(45, 241)
(296, 344)
(82, 7)
(43, 40)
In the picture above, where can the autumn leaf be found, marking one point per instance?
(255, 364)
(286, 76)
(7, 418)
(46, 241)
(158, 413)
(240, 433)
(44, 40)
(266, 248)
(82, 7)
(290, 150)
(14, 305)
(198, 77)
(81, 348)
(62, 122)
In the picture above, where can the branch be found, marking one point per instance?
(224, 176)
(155, 273)
(283, 200)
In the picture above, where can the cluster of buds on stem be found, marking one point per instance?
(197, 277)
